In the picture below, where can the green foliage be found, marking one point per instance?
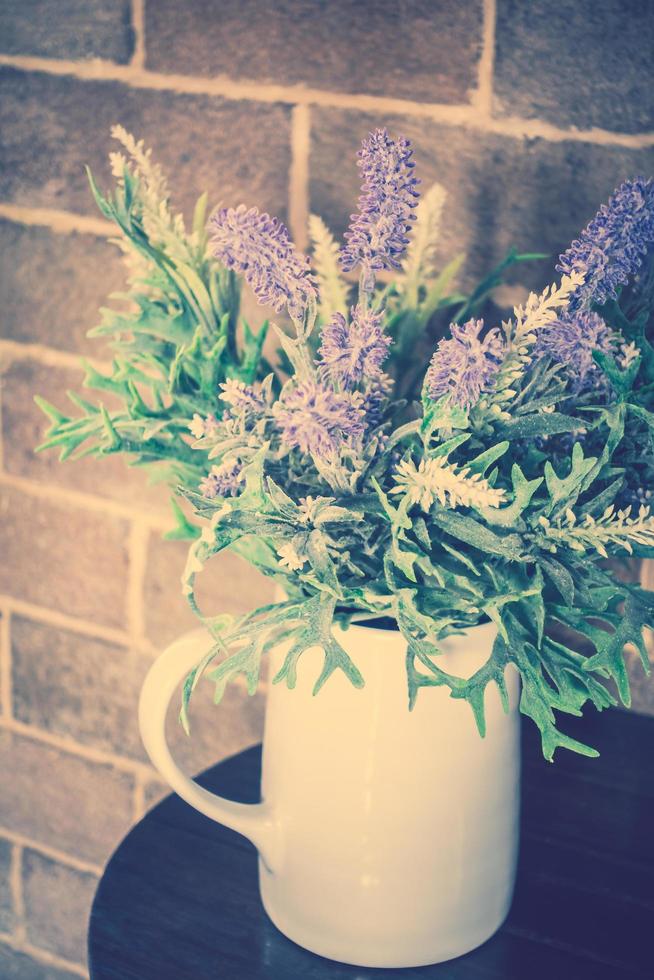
(174, 332)
(443, 514)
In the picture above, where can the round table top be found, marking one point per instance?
(179, 898)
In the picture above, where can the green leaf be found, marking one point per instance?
(184, 530)
(53, 413)
(316, 631)
(113, 439)
(490, 282)
(440, 415)
(565, 490)
(246, 661)
(422, 652)
(637, 613)
(509, 546)
(481, 463)
(523, 491)
(643, 414)
(200, 216)
(541, 424)
(191, 683)
(621, 381)
(438, 288)
(560, 577)
(321, 563)
(252, 352)
(538, 697)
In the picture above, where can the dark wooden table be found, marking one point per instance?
(179, 901)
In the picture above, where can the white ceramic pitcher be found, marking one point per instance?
(387, 838)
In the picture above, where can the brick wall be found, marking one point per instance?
(529, 113)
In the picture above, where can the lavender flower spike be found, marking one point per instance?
(223, 481)
(317, 420)
(242, 399)
(259, 247)
(611, 248)
(571, 340)
(351, 352)
(377, 236)
(465, 365)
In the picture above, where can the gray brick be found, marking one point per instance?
(57, 905)
(67, 29)
(576, 62)
(78, 687)
(532, 194)
(53, 126)
(52, 286)
(217, 731)
(20, 966)
(227, 584)
(24, 426)
(88, 690)
(6, 900)
(55, 798)
(414, 50)
(63, 557)
(155, 791)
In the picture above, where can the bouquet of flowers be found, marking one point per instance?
(492, 480)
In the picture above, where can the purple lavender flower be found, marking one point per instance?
(223, 481)
(610, 249)
(259, 247)
(242, 399)
(351, 352)
(377, 236)
(375, 396)
(317, 420)
(465, 365)
(571, 340)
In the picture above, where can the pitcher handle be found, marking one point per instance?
(255, 821)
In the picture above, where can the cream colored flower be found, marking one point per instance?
(289, 558)
(436, 479)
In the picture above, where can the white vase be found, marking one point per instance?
(387, 838)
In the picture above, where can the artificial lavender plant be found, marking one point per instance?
(388, 467)
(497, 495)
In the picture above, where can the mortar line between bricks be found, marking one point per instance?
(78, 498)
(16, 350)
(83, 627)
(6, 709)
(137, 550)
(52, 617)
(43, 956)
(465, 115)
(298, 185)
(16, 891)
(483, 97)
(62, 857)
(71, 747)
(62, 222)
(138, 26)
